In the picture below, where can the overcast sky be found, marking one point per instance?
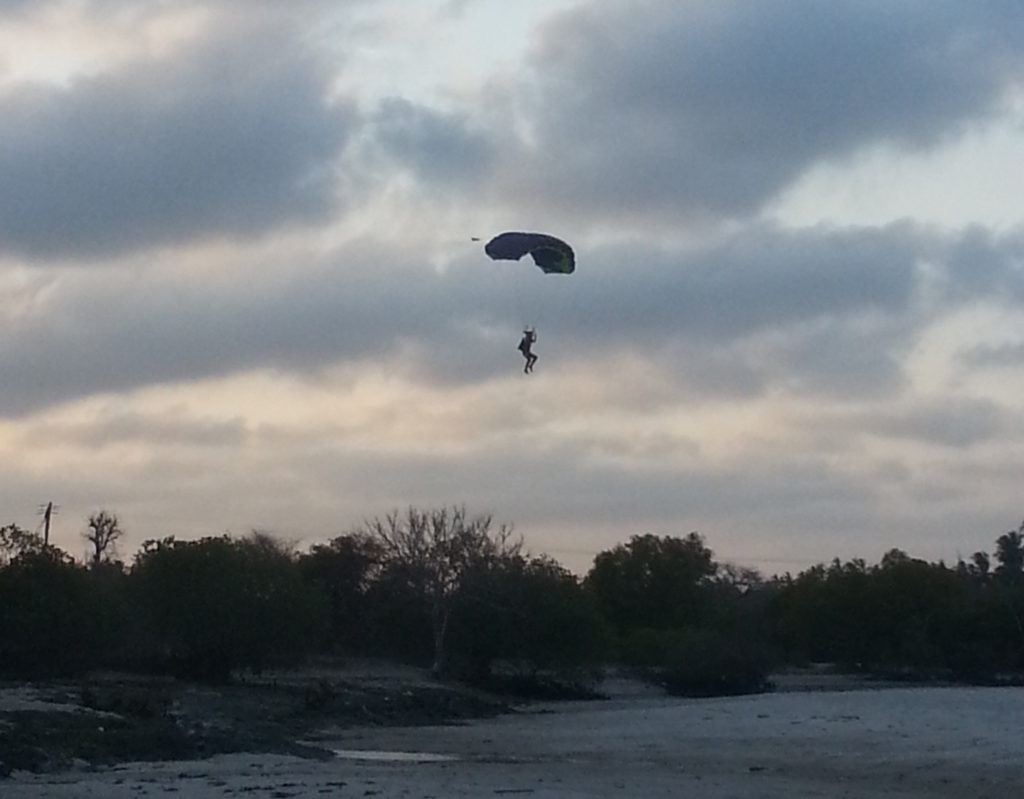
(238, 288)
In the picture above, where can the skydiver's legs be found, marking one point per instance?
(530, 361)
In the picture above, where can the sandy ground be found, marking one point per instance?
(895, 742)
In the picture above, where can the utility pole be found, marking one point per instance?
(48, 510)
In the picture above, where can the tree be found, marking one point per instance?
(217, 604)
(49, 619)
(433, 552)
(1010, 557)
(558, 624)
(532, 615)
(826, 614)
(739, 598)
(978, 569)
(102, 535)
(1010, 576)
(15, 541)
(916, 604)
(652, 582)
(344, 570)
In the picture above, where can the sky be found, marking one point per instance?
(239, 288)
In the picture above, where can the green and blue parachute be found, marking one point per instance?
(552, 255)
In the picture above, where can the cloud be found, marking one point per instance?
(440, 148)
(740, 314)
(232, 137)
(988, 265)
(954, 423)
(15, 6)
(122, 328)
(701, 109)
(113, 427)
(1008, 356)
(291, 329)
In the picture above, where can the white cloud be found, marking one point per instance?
(973, 177)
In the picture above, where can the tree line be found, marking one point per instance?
(460, 594)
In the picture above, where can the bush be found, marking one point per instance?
(53, 620)
(215, 605)
(527, 622)
(646, 649)
(706, 663)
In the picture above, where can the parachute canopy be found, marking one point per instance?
(550, 254)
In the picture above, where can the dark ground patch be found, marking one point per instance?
(124, 718)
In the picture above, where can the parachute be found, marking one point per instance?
(552, 255)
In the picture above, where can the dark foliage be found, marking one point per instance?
(442, 588)
(711, 663)
(398, 620)
(905, 616)
(429, 556)
(652, 582)
(55, 616)
(527, 622)
(219, 604)
(343, 571)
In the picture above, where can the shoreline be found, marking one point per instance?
(109, 720)
(890, 743)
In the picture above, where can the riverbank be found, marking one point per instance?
(877, 743)
(107, 719)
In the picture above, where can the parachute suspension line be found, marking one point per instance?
(511, 295)
(551, 255)
(520, 292)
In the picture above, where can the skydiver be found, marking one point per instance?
(525, 347)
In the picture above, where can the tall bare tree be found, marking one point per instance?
(437, 549)
(102, 535)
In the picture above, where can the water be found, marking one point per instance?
(381, 755)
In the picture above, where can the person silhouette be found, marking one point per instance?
(526, 347)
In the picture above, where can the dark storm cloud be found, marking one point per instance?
(816, 310)
(164, 331)
(821, 311)
(109, 330)
(759, 279)
(439, 148)
(1008, 356)
(831, 311)
(113, 427)
(16, 6)
(987, 264)
(232, 137)
(955, 423)
(665, 107)
(788, 490)
(733, 311)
